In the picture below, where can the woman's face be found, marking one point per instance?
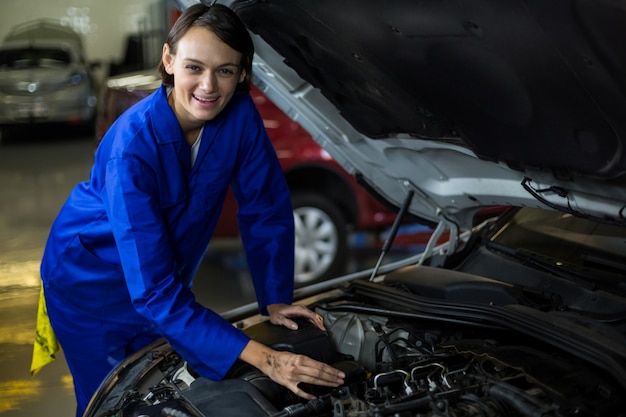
(206, 73)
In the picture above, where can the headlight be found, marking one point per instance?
(77, 78)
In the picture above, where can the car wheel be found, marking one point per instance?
(321, 238)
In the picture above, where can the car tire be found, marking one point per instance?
(321, 238)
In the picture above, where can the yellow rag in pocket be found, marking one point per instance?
(46, 344)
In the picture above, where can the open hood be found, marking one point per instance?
(465, 103)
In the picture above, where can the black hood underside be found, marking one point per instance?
(535, 84)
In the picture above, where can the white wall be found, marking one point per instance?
(104, 23)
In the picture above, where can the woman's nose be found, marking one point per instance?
(208, 81)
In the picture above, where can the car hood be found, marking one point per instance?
(456, 105)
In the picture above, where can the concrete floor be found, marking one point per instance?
(36, 176)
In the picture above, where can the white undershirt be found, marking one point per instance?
(196, 147)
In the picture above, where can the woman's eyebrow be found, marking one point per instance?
(197, 61)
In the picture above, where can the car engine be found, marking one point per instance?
(394, 366)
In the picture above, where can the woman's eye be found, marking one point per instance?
(225, 72)
(193, 67)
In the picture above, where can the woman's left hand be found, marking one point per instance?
(282, 314)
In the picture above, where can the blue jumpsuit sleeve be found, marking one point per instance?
(207, 341)
(265, 216)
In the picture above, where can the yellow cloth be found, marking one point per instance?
(46, 344)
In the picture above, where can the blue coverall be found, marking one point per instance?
(118, 265)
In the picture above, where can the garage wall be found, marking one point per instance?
(103, 23)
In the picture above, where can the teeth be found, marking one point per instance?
(205, 99)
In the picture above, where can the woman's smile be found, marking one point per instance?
(205, 99)
(206, 102)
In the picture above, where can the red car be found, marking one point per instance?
(328, 202)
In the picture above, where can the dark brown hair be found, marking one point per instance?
(225, 24)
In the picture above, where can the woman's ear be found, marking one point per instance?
(167, 58)
(242, 76)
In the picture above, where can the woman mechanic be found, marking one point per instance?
(119, 261)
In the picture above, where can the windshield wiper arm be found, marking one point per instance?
(560, 268)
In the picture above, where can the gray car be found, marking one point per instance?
(44, 78)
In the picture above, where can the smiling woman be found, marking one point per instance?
(120, 258)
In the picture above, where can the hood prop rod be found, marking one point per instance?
(392, 233)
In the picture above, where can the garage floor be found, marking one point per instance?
(50, 393)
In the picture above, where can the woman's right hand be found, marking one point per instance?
(291, 369)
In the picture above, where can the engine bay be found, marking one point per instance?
(394, 365)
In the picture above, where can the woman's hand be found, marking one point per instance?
(290, 369)
(282, 314)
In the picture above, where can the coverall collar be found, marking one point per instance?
(162, 128)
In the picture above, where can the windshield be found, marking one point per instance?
(34, 57)
(565, 237)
